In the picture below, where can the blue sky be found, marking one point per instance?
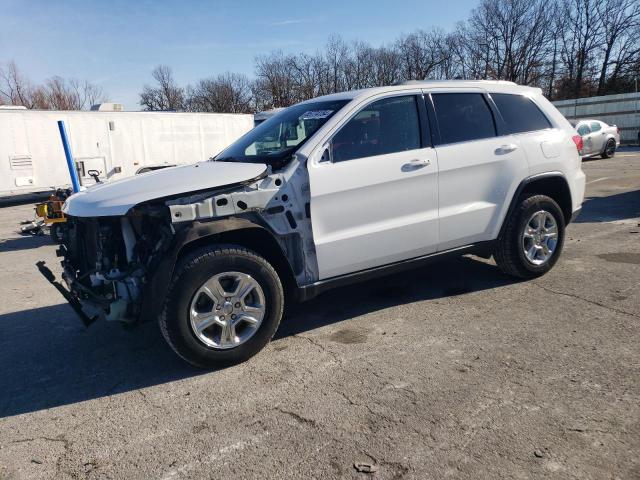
(117, 43)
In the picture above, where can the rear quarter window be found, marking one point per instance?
(520, 113)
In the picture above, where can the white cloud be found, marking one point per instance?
(284, 23)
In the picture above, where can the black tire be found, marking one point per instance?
(509, 253)
(55, 232)
(609, 149)
(190, 274)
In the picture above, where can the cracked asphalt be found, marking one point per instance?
(450, 371)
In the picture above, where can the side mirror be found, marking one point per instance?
(291, 133)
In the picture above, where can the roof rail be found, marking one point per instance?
(417, 82)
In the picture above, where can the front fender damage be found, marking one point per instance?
(118, 267)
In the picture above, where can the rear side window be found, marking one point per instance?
(387, 126)
(584, 129)
(463, 117)
(520, 113)
(595, 126)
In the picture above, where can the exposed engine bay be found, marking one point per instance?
(107, 259)
(118, 267)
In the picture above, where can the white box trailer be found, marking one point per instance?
(117, 144)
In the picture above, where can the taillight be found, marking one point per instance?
(618, 130)
(577, 139)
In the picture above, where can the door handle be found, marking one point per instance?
(415, 164)
(503, 149)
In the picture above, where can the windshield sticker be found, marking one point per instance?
(315, 114)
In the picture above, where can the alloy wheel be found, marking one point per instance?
(540, 237)
(227, 310)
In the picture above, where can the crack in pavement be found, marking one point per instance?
(333, 354)
(592, 302)
(60, 438)
(297, 417)
(147, 401)
(367, 407)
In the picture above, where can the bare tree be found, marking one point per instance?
(511, 39)
(226, 93)
(167, 95)
(620, 20)
(56, 93)
(15, 89)
(421, 53)
(62, 94)
(565, 47)
(275, 80)
(581, 39)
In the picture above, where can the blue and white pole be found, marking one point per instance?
(71, 165)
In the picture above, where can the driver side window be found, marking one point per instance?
(386, 126)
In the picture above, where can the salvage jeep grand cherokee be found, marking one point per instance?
(329, 191)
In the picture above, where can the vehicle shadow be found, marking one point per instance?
(24, 242)
(453, 277)
(49, 359)
(24, 199)
(620, 206)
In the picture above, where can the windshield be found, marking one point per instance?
(273, 141)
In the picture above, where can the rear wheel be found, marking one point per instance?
(609, 149)
(532, 239)
(224, 305)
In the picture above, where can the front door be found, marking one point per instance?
(374, 190)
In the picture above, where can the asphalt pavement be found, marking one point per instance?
(454, 370)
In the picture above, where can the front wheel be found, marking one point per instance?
(609, 149)
(223, 306)
(532, 238)
(55, 232)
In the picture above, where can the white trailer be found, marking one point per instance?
(117, 144)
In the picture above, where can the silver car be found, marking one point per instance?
(598, 137)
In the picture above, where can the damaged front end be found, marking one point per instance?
(107, 261)
(118, 267)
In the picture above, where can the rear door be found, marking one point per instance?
(598, 136)
(374, 190)
(479, 163)
(524, 119)
(584, 131)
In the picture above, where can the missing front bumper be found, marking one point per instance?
(69, 297)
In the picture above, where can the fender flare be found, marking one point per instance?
(523, 184)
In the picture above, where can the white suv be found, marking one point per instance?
(327, 192)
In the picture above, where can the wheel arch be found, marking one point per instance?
(552, 184)
(235, 231)
(256, 238)
(610, 137)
